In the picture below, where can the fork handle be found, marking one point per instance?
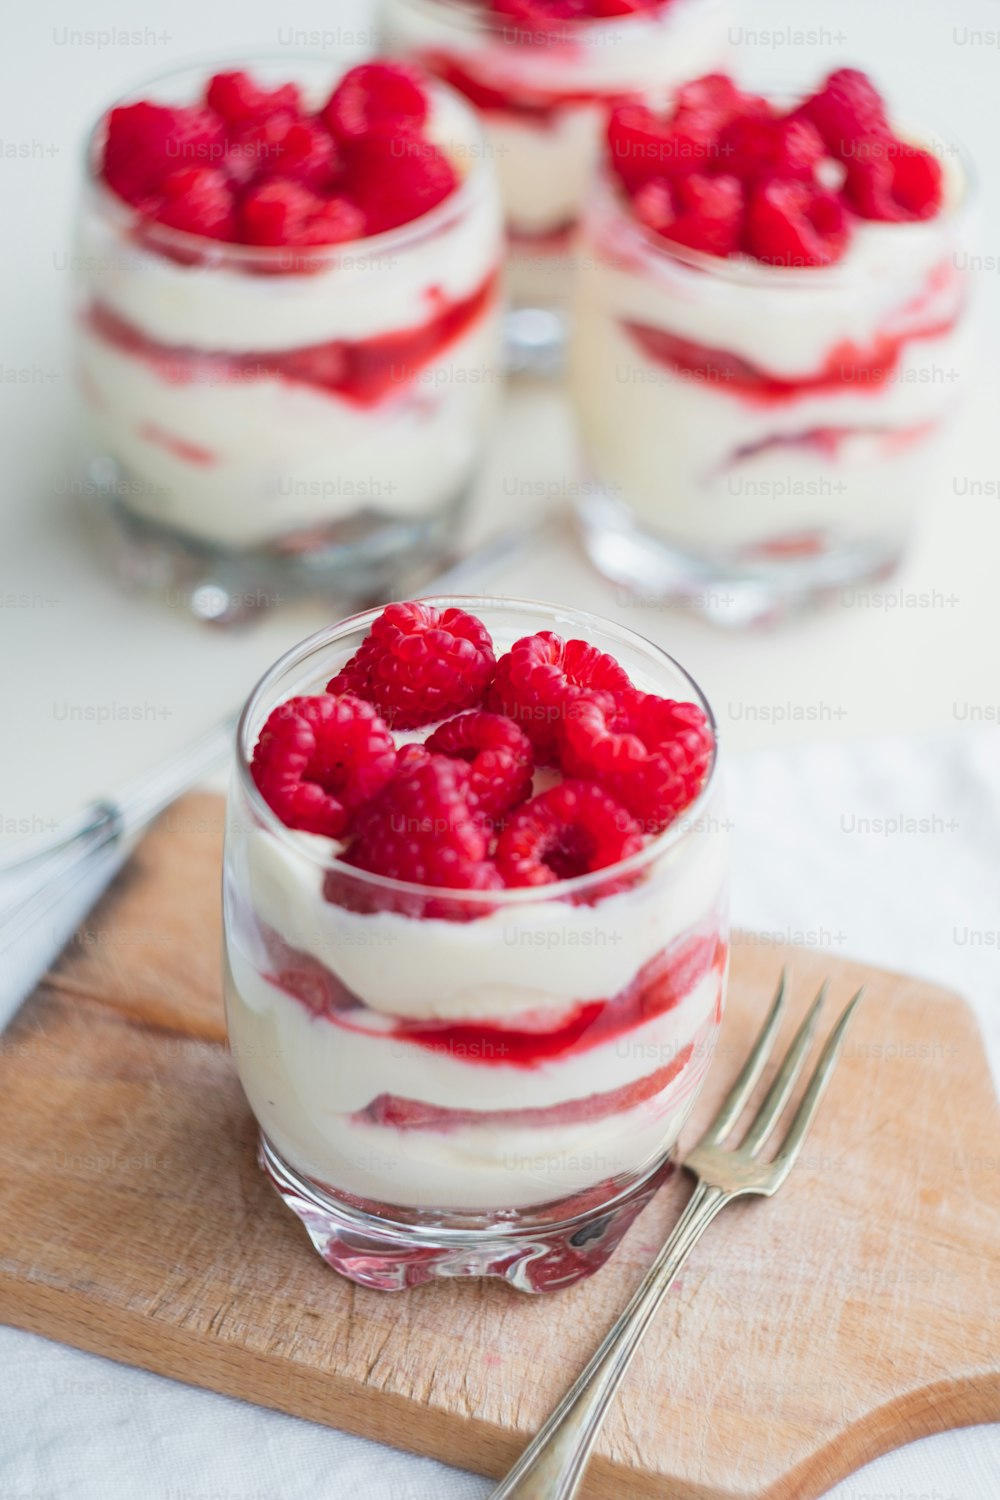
(552, 1466)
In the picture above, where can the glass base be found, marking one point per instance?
(360, 558)
(535, 341)
(733, 591)
(537, 1250)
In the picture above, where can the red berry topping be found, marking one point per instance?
(499, 754)
(146, 142)
(537, 678)
(396, 179)
(198, 200)
(796, 224)
(237, 98)
(419, 664)
(894, 181)
(847, 106)
(383, 97)
(278, 212)
(280, 145)
(319, 759)
(752, 148)
(704, 213)
(650, 753)
(715, 99)
(427, 827)
(569, 830)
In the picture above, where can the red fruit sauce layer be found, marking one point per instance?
(362, 371)
(413, 1114)
(846, 367)
(533, 106)
(660, 986)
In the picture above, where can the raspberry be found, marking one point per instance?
(378, 96)
(539, 675)
(650, 753)
(643, 144)
(419, 664)
(280, 145)
(715, 100)
(796, 224)
(500, 757)
(397, 179)
(892, 180)
(319, 759)
(425, 827)
(704, 213)
(236, 98)
(755, 148)
(569, 830)
(198, 200)
(146, 142)
(279, 212)
(847, 106)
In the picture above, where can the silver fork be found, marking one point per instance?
(552, 1466)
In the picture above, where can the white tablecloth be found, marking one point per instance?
(920, 893)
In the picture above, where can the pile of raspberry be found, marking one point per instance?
(458, 809)
(728, 173)
(254, 166)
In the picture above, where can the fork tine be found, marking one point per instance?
(810, 1101)
(778, 1094)
(749, 1075)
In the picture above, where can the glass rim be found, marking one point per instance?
(683, 826)
(213, 251)
(744, 270)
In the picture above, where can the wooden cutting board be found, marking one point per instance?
(806, 1335)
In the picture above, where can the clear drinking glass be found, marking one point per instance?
(272, 420)
(544, 98)
(455, 1083)
(759, 435)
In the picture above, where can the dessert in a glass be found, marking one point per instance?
(543, 74)
(770, 338)
(476, 934)
(288, 323)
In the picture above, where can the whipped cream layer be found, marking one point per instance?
(239, 461)
(520, 958)
(735, 407)
(308, 1080)
(545, 154)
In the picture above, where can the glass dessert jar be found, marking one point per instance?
(471, 1082)
(276, 417)
(543, 87)
(761, 434)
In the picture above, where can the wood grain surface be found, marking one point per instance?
(807, 1334)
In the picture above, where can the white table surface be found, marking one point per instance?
(97, 686)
